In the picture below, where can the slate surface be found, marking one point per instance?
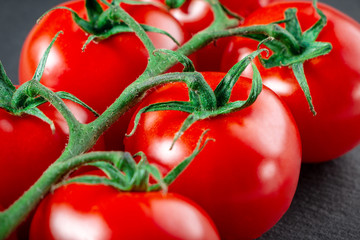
(327, 202)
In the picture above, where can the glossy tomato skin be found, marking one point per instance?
(245, 8)
(99, 74)
(246, 179)
(196, 15)
(28, 147)
(100, 212)
(334, 81)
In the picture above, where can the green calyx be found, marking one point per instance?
(298, 47)
(12, 101)
(103, 24)
(204, 102)
(26, 101)
(123, 173)
(28, 106)
(290, 45)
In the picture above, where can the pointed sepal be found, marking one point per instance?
(163, 106)
(224, 88)
(7, 89)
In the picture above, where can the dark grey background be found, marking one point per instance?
(327, 202)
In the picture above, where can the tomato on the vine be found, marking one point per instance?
(246, 179)
(105, 68)
(333, 79)
(196, 15)
(79, 211)
(28, 147)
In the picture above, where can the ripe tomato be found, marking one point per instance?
(28, 147)
(196, 15)
(246, 179)
(334, 80)
(79, 211)
(98, 75)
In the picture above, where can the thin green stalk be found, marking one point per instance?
(134, 93)
(161, 63)
(139, 31)
(216, 31)
(77, 130)
(36, 88)
(221, 20)
(269, 30)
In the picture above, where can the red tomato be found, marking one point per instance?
(28, 147)
(246, 179)
(100, 212)
(245, 7)
(334, 80)
(98, 75)
(196, 15)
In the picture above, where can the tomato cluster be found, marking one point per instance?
(240, 184)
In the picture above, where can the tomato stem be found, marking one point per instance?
(35, 88)
(199, 40)
(134, 93)
(138, 29)
(221, 19)
(268, 30)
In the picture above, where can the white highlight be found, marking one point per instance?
(195, 10)
(65, 223)
(267, 170)
(6, 126)
(175, 223)
(278, 86)
(162, 150)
